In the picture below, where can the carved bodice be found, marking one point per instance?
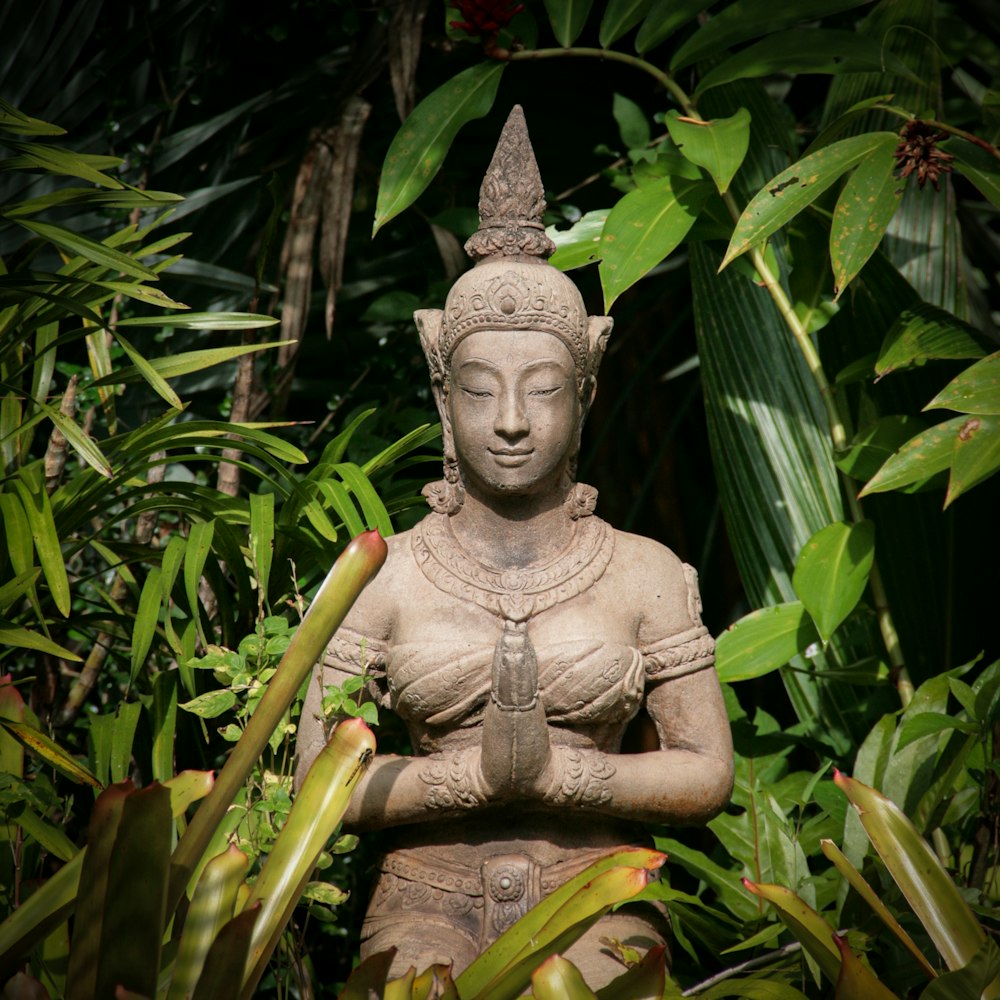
(592, 668)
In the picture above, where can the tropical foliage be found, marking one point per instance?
(791, 212)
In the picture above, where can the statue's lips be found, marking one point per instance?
(511, 458)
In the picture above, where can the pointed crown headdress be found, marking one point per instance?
(512, 286)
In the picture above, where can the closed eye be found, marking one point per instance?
(477, 393)
(550, 391)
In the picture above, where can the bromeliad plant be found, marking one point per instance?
(140, 943)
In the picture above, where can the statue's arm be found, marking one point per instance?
(689, 779)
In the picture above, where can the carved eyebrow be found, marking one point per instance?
(475, 363)
(544, 363)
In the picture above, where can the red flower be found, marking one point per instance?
(485, 17)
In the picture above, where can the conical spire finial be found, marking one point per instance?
(511, 200)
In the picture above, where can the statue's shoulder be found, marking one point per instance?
(647, 560)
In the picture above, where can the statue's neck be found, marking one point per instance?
(513, 532)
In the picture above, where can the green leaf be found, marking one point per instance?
(914, 866)
(147, 616)
(98, 253)
(81, 443)
(976, 457)
(633, 126)
(925, 331)
(927, 724)
(921, 457)
(559, 979)
(567, 18)
(976, 390)
(262, 539)
(747, 19)
(719, 146)
(17, 122)
(762, 641)
(88, 167)
(864, 209)
(873, 445)
(856, 980)
(643, 228)
(122, 737)
(815, 50)
(620, 16)
(663, 19)
(580, 244)
(38, 510)
(147, 370)
(972, 980)
(209, 321)
(419, 148)
(16, 588)
(371, 504)
(832, 572)
(23, 638)
(978, 165)
(49, 751)
(179, 364)
(211, 704)
(199, 545)
(797, 187)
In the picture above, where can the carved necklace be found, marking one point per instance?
(512, 594)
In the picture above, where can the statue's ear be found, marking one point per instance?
(598, 332)
(429, 327)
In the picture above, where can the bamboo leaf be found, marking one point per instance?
(832, 572)
(82, 246)
(147, 617)
(81, 443)
(199, 544)
(558, 979)
(340, 500)
(126, 718)
(928, 889)
(921, 457)
(976, 456)
(371, 504)
(88, 167)
(147, 370)
(16, 121)
(567, 18)
(797, 187)
(580, 244)
(643, 228)
(262, 539)
(976, 390)
(620, 16)
(863, 212)
(44, 534)
(49, 751)
(925, 331)
(24, 638)
(719, 145)
(48, 836)
(210, 321)
(762, 641)
(747, 19)
(419, 148)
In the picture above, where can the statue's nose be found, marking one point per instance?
(511, 420)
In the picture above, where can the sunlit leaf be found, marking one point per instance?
(83, 246)
(38, 510)
(559, 979)
(211, 704)
(580, 244)
(37, 743)
(420, 146)
(207, 321)
(863, 212)
(832, 572)
(23, 638)
(923, 724)
(921, 457)
(763, 640)
(873, 445)
(783, 197)
(976, 390)
(643, 228)
(567, 18)
(718, 145)
(14, 120)
(86, 166)
(925, 331)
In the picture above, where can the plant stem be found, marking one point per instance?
(835, 420)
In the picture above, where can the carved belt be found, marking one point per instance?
(509, 884)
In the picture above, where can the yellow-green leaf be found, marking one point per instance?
(719, 146)
(39, 744)
(976, 457)
(420, 146)
(976, 390)
(921, 457)
(763, 640)
(797, 187)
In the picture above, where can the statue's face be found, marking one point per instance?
(513, 409)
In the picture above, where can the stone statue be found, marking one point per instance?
(516, 633)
